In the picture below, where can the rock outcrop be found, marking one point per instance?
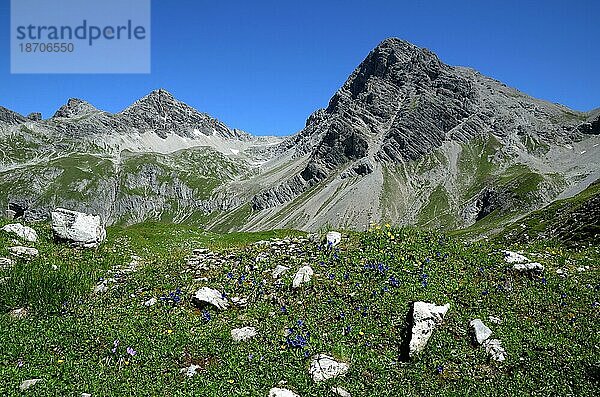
(77, 228)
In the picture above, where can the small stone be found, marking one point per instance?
(101, 288)
(206, 295)
(28, 383)
(24, 252)
(495, 320)
(480, 332)
(494, 348)
(18, 314)
(426, 317)
(340, 392)
(23, 232)
(279, 392)
(6, 263)
(86, 395)
(243, 334)
(561, 272)
(191, 370)
(514, 257)
(323, 367)
(150, 302)
(333, 238)
(279, 271)
(303, 275)
(532, 267)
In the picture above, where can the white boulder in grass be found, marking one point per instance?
(279, 392)
(323, 367)
(480, 331)
(24, 232)
(303, 275)
(79, 229)
(279, 270)
(426, 317)
(26, 384)
(514, 257)
(494, 348)
(23, 252)
(531, 267)
(206, 295)
(333, 238)
(243, 334)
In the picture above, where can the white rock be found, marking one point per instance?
(323, 367)
(28, 383)
(23, 232)
(239, 302)
(340, 392)
(211, 296)
(514, 257)
(280, 271)
(279, 392)
(495, 320)
(18, 313)
(426, 316)
(78, 228)
(23, 252)
(494, 348)
(303, 275)
(191, 370)
(150, 302)
(243, 334)
(480, 332)
(533, 267)
(101, 288)
(561, 272)
(86, 395)
(333, 238)
(6, 263)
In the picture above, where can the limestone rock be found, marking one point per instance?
(303, 275)
(243, 334)
(78, 228)
(23, 252)
(531, 267)
(494, 348)
(426, 317)
(206, 295)
(191, 370)
(6, 263)
(279, 392)
(18, 314)
(333, 238)
(280, 270)
(26, 384)
(23, 232)
(514, 257)
(150, 302)
(323, 367)
(480, 332)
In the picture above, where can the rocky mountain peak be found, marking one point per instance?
(10, 117)
(75, 107)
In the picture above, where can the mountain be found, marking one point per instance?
(407, 139)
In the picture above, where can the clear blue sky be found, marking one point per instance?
(264, 66)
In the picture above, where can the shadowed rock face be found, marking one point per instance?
(9, 117)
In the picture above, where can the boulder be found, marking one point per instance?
(23, 232)
(77, 228)
(303, 275)
(333, 238)
(206, 295)
(243, 334)
(480, 332)
(514, 257)
(531, 267)
(425, 318)
(323, 367)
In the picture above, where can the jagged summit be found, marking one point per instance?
(10, 117)
(75, 107)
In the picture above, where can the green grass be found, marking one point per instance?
(547, 329)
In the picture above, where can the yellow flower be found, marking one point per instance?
(392, 237)
(231, 381)
(60, 361)
(361, 333)
(387, 225)
(169, 331)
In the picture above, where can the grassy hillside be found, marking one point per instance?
(355, 309)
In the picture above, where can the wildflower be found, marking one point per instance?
(115, 344)
(394, 282)
(440, 369)
(300, 323)
(347, 330)
(484, 292)
(205, 315)
(60, 361)
(169, 331)
(20, 363)
(231, 381)
(544, 280)
(229, 275)
(331, 276)
(283, 310)
(131, 352)
(346, 276)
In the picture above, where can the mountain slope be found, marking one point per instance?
(407, 139)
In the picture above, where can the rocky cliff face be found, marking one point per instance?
(406, 139)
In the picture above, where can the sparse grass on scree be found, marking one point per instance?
(354, 309)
